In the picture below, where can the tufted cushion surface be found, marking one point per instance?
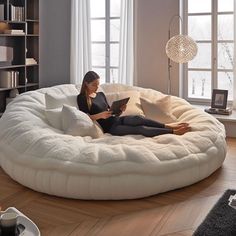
(45, 159)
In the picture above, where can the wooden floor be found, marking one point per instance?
(176, 212)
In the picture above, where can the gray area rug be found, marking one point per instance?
(221, 220)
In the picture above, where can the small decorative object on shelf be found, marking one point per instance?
(219, 103)
(3, 26)
(226, 111)
(13, 93)
(219, 98)
(14, 31)
(30, 61)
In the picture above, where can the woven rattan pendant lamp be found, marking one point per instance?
(180, 48)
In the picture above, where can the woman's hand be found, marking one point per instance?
(101, 115)
(105, 114)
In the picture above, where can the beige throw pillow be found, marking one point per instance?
(134, 104)
(159, 110)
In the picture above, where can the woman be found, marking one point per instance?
(95, 105)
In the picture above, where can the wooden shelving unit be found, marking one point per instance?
(20, 15)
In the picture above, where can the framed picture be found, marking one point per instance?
(219, 98)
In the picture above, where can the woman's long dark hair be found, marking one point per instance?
(89, 77)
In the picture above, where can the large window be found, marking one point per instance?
(105, 36)
(211, 24)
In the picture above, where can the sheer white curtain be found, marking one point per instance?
(234, 76)
(80, 55)
(126, 53)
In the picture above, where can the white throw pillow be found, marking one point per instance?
(159, 110)
(77, 123)
(54, 117)
(53, 100)
(133, 106)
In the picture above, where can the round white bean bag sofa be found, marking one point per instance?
(109, 167)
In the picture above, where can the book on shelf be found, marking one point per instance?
(6, 54)
(2, 12)
(30, 61)
(14, 31)
(17, 13)
(9, 78)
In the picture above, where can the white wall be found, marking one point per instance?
(54, 42)
(151, 34)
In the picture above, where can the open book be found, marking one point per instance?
(116, 105)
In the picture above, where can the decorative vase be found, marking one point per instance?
(3, 26)
(13, 93)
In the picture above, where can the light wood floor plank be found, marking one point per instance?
(188, 214)
(84, 228)
(59, 230)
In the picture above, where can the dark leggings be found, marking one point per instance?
(138, 125)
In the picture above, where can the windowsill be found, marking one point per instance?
(223, 118)
(229, 121)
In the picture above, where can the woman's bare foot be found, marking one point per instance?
(182, 130)
(176, 125)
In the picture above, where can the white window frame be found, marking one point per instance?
(214, 40)
(107, 43)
